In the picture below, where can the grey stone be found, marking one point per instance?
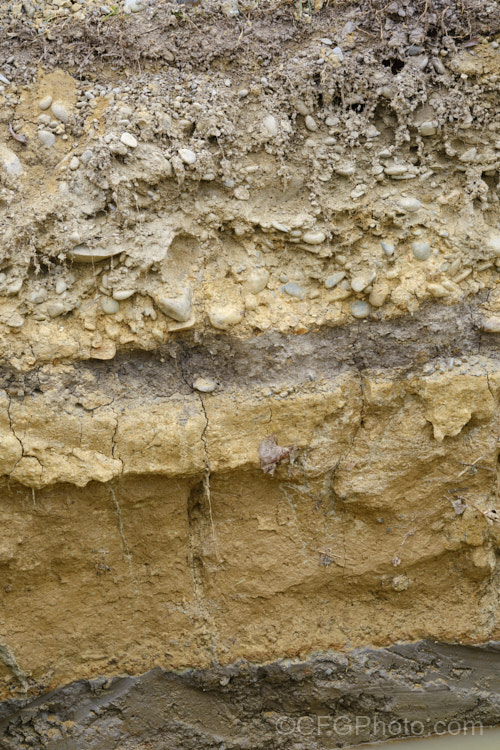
(421, 250)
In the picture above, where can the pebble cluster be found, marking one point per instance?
(173, 200)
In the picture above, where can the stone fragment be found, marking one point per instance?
(362, 280)
(270, 126)
(225, 317)
(493, 244)
(133, 6)
(334, 279)
(55, 309)
(360, 309)
(10, 162)
(177, 308)
(258, 280)
(491, 324)
(107, 350)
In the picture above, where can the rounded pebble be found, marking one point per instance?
(294, 290)
(74, 163)
(110, 306)
(10, 162)
(410, 204)
(187, 156)
(310, 123)
(60, 112)
(204, 385)
(314, 238)
(128, 140)
(421, 250)
(14, 287)
(427, 128)
(344, 169)
(360, 309)
(121, 294)
(45, 102)
(55, 309)
(437, 290)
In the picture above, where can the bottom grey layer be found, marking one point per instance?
(329, 700)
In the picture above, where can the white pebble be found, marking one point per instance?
(10, 162)
(410, 204)
(121, 294)
(187, 156)
(60, 112)
(310, 123)
(128, 140)
(204, 385)
(427, 128)
(225, 317)
(270, 126)
(491, 325)
(314, 237)
(74, 163)
(45, 102)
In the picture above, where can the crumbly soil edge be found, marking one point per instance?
(325, 701)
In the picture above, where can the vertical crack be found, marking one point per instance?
(206, 478)
(196, 515)
(124, 544)
(9, 404)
